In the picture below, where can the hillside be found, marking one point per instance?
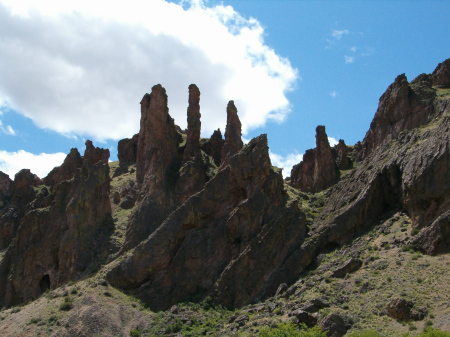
(192, 236)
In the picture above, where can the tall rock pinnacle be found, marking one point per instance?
(318, 169)
(194, 123)
(157, 147)
(233, 142)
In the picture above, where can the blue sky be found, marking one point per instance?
(74, 72)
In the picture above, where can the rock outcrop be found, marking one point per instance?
(341, 157)
(318, 170)
(5, 188)
(56, 235)
(127, 150)
(216, 242)
(194, 124)
(441, 75)
(214, 147)
(233, 133)
(66, 171)
(405, 106)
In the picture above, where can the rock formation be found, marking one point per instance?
(405, 106)
(441, 75)
(217, 239)
(157, 148)
(341, 157)
(127, 150)
(318, 170)
(56, 235)
(233, 141)
(5, 188)
(214, 147)
(194, 124)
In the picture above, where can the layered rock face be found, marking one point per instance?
(54, 231)
(127, 150)
(216, 241)
(318, 169)
(405, 106)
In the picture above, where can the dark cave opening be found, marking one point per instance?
(45, 283)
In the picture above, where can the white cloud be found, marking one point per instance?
(353, 49)
(333, 94)
(7, 129)
(81, 67)
(349, 59)
(285, 162)
(39, 164)
(332, 141)
(338, 34)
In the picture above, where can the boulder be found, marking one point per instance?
(304, 317)
(334, 325)
(400, 309)
(350, 266)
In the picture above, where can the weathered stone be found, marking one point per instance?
(441, 75)
(241, 320)
(334, 325)
(400, 308)
(305, 318)
(5, 188)
(233, 141)
(127, 150)
(350, 266)
(94, 154)
(342, 160)
(318, 170)
(281, 289)
(55, 243)
(435, 239)
(214, 146)
(403, 106)
(157, 148)
(66, 171)
(194, 124)
(320, 303)
(225, 229)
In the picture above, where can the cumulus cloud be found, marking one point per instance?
(39, 164)
(285, 162)
(332, 141)
(7, 129)
(333, 94)
(338, 34)
(349, 59)
(81, 67)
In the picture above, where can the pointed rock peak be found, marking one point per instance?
(194, 95)
(157, 142)
(321, 137)
(5, 187)
(441, 75)
(194, 123)
(233, 132)
(95, 154)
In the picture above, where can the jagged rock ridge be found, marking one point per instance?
(211, 216)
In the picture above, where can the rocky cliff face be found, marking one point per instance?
(211, 217)
(405, 106)
(53, 232)
(216, 240)
(318, 169)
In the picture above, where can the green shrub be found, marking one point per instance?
(66, 305)
(135, 333)
(290, 330)
(175, 327)
(414, 232)
(430, 332)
